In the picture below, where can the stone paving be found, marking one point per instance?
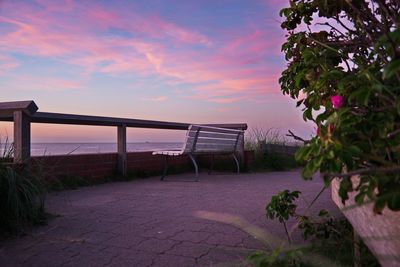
(152, 223)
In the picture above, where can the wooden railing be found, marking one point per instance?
(23, 113)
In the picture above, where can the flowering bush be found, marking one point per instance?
(344, 70)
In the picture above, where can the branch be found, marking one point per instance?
(332, 27)
(388, 99)
(364, 13)
(363, 17)
(297, 138)
(365, 171)
(343, 25)
(393, 133)
(388, 12)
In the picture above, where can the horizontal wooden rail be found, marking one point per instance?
(73, 119)
(23, 113)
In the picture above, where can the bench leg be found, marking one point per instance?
(196, 169)
(165, 168)
(237, 163)
(211, 165)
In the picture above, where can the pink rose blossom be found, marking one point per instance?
(337, 101)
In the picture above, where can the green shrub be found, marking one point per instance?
(282, 208)
(21, 200)
(330, 243)
(22, 194)
(343, 68)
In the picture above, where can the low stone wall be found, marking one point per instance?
(99, 166)
(88, 166)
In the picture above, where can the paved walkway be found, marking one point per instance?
(153, 223)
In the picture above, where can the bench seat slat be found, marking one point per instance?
(212, 141)
(214, 129)
(214, 146)
(212, 135)
(213, 151)
(169, 152)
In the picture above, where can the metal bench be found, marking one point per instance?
(206, 140)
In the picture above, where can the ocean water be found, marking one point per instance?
(41, 149)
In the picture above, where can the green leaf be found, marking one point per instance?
(308, 56)
(380, 204)
(345, 187)
(391, 69)
(355, 150)
(318, 161)
(308, 171)
(299, 79)
(359, 198)
(330, 155)
(307, 115)
(298, 103)
(364, 96)
(301, 153)
(398, 105)
(395, 35)
(323, 213)
(394, 202)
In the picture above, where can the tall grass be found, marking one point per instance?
(22, 194)
(6, 150)
(257, 138)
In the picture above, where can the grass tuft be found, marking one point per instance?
(22, 195)
(272, 150)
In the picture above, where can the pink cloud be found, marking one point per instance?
(224, 71)
(49, 84)
(7, 63)
(249, 48)
(155, 99)
(226, 100)
(178, 32)
(151, 25)
(224, 110)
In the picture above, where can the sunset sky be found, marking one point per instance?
(190, 61)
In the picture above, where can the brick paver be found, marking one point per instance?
(152, 223)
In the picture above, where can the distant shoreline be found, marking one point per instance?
(141, 142)
(73, 148)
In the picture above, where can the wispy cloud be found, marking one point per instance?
(155, 99)
(48, 84)
(102, 39)
(7, 63)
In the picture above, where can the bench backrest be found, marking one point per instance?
(207, 139)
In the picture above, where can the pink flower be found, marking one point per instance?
(337, 101)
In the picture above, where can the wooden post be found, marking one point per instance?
(22, 137)
(20, 112)
(241, 153)
(122, 158)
